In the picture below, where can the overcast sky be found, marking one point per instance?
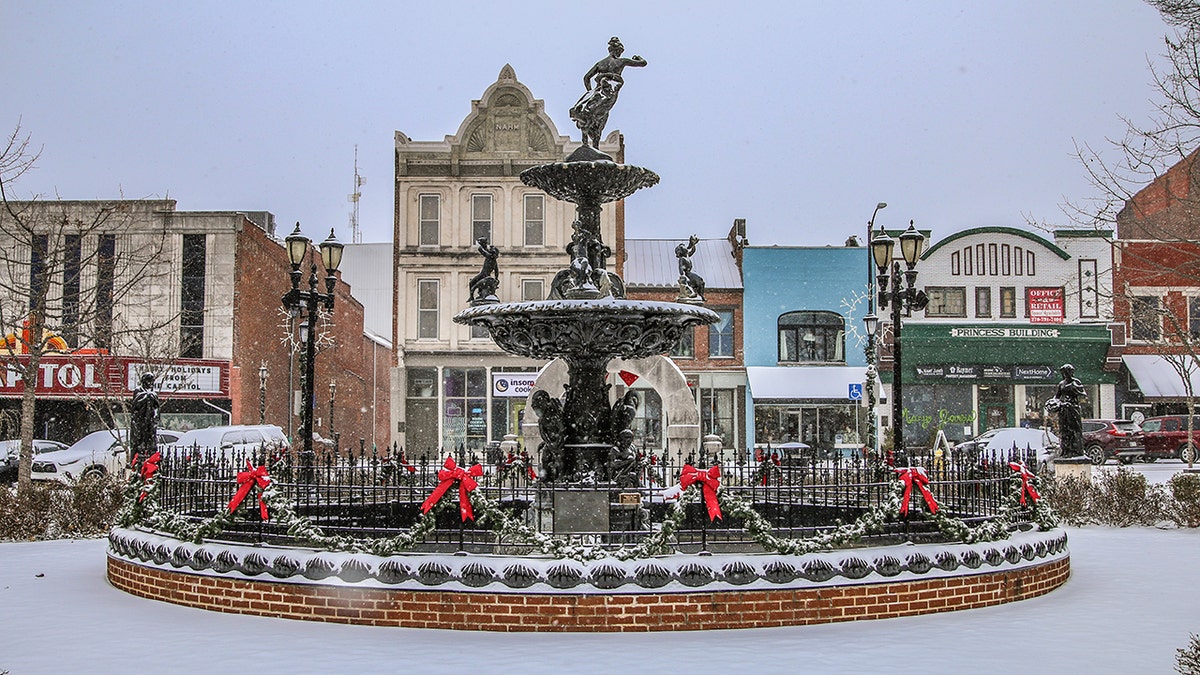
(798, 116)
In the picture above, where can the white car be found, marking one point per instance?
(10, 454)
(1043, 441)
(98, 453)
(236, 438)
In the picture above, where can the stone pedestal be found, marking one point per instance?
(578, 511)
(1080, 467)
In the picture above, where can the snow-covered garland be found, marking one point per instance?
(141, 507)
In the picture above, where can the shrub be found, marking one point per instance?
(1184, 506)
(1123, 498)
(54, 510)
(1070, 497)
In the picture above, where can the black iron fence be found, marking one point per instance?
(373, 494)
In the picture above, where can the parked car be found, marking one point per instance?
(236, 438)
(1107, 439)
(10, 455)
(1166, 437)
(1042, 441)
(98, 453)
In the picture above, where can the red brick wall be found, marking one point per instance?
(541, 612)
(262, 279)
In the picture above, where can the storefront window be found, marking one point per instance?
(464, 419)
(929, 407)
(716, 414)
(647, 425)
(824, 427)
(995, 406)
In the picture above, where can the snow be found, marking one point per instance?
(1130, 603)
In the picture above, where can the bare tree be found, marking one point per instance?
(74, 276)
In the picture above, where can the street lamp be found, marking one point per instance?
(903, 297)
(262, 393)
(332, 395)
(871, 323)
(298, 300)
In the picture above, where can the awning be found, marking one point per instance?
(806, 382)
(1159, 378)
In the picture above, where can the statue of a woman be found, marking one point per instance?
(1070, 419)
(143, 419)
(590, 113)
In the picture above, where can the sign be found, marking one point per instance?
(855, 392)
(1045, 304)
(94, 375)
(960, 371)
(513, 384)
(1004, 332)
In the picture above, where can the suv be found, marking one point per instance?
(10, 455)
(1166, 437)
(1106, 439)
(96, 454)
(236, 438)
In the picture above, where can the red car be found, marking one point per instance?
(1166, 437)
(1105, 439)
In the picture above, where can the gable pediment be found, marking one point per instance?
(507, 122)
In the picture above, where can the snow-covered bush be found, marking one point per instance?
(1184, 506)
(1069, 496)
(54, 510)
(1124, 497)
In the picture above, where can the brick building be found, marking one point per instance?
(211, 292)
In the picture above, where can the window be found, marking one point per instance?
(967, 257)
(1029, 263)
(481, 218)
(535, 220)
(1194, 316)
(73, 255)
(464, 417)
(1018, 261)
(720, 336)
(947, 300)
(37, 271)
(532, 290)
(191, 297)
(812, 337)
(429, 220)
(992, 259)
(686, 347)
(716, 414)
(106, 264)
(955, 263)
(1008, 300)
(422, 382)
(983, 302)
(1005, 259)
(427, 309)
(1145, 320)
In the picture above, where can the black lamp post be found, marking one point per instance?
(332, 396)
(871, 323)
(262, 393)
(904, 297)
(298, 300)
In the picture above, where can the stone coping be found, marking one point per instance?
(678, 573)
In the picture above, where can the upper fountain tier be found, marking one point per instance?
(589, 183)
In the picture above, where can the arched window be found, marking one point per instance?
(812, 337)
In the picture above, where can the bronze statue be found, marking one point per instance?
(552, 427)
(482, 288)
(1070, 419)
(691, 285)
(143, 422)
(590, 113)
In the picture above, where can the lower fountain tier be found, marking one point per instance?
(596, 329)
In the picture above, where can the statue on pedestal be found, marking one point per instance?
(590, 113)
(1070, 419)
(691, 285)
(143, 419)
(482, 288)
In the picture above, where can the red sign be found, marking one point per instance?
(1045, 304)
(74, 376)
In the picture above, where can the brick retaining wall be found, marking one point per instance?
(590, 612)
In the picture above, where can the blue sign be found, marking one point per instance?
(855, 393)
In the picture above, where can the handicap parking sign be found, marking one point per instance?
(855, 393)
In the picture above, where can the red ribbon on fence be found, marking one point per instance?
(466, 483)
(1026, 487)
(532, 473)
(709, 482)
(915, 474)
(246, 481)
(149, 468)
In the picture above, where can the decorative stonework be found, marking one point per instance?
(670, 593)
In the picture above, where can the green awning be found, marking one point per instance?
(995, 353)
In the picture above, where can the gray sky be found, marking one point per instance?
(798, 116)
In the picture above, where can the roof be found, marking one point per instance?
(652, 262)
(1012, 231)
(1158, 377)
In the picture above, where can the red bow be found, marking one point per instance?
(1026, 486)
(709, 482)
(466, 483)
(915, 474)
(150, 467)
(246, 481)
(532, 473)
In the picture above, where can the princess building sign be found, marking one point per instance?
(1017, 332)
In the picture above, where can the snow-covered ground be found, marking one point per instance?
(1133, 598)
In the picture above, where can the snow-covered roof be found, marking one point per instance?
(652, 262)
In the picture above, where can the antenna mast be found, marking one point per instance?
(355, 233)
